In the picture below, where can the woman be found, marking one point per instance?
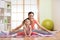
(33, 22)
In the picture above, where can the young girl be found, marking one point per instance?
(27, 30)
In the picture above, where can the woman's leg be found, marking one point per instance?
(42, 32)
(16, 32)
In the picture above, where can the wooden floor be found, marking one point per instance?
(55, 37)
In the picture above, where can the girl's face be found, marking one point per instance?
(27, 22)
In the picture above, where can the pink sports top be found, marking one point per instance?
(33, 23)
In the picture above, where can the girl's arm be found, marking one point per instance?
(30, 31)
(24, 31)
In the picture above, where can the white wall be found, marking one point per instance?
(56, 13)
(50, 9)
(45, 10)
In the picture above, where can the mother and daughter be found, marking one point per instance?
(28, 26)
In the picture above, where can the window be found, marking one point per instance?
(20, 9)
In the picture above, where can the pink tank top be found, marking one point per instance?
(33, 23)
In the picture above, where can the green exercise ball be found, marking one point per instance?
(48, 24)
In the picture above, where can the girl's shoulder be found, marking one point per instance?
(30, 26)
(24, 26)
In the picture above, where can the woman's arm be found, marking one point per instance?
(39, 26)
(16, 29)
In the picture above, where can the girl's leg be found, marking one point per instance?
(20, 33)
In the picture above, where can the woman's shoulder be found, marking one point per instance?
(35, 20)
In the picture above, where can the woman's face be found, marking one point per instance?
(31, 16)
(27, 22)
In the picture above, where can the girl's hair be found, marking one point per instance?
(25, 20)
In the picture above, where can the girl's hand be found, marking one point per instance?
(26, 35)
(29, 35)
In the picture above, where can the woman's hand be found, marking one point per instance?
(13, 30)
